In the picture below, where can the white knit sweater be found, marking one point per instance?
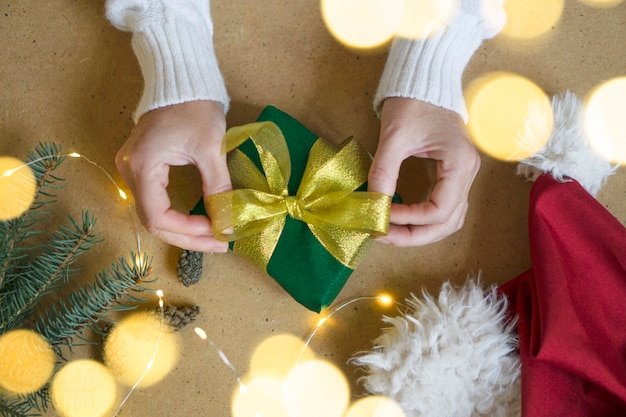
(173, 42)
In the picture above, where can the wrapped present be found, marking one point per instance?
(299, 208)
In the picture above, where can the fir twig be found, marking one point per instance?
(20, 406)
(65, 320)
(46, 272)
(15, 231)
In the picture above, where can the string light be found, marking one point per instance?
(77, 155)
(150, 364)
(384, 299)
(119, 190)
(140, 260)
(202, 335)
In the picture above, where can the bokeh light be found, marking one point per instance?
(17, 188)
(141, 350)
(375, 406)
(605, 125)
(421, 18)
(529, 19)
(362, 24)
(316, 388)
(83, 388)
(262, 397)
(26, 361)
(510, 117)
(601, 4)
(277, 355)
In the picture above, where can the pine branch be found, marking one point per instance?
(62, 322)
(16, 230)
(11, 406)
(46, 272)
(23, 405)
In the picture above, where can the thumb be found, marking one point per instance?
(385, 169)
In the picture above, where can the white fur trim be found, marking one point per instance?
(454, 356)
(567, 153)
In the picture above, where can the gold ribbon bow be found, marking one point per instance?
(253, 214)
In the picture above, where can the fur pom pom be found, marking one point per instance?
(567, 153)
(454, 356)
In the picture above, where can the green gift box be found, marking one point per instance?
(299, 208)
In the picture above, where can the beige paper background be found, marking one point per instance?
(67, 76)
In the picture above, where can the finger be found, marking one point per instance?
(154, 207)
(204, 243)
(420, 235)
(214, 173)
(444, 200)
(385, 169)
(450, 191)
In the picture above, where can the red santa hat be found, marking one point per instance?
(571, 306)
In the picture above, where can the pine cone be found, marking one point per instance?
(176, 316)
(180, 316)
(189, 267)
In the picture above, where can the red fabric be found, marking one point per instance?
(571, 306)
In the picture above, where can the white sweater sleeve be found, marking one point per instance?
(173, 42)
(431, 69)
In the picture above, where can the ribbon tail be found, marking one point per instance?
(347, 246)
(258, 248)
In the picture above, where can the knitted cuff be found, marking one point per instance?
(174, 46)
(431, 69)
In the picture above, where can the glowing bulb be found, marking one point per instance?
(510, 117)
(201, 333)
(362, 24)
(9, 172)
(604, 120)
(122, 194)
(74, 155)
(321, 321)
(385, 299)
(140, 261)
(528, 19)
(159, 294)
